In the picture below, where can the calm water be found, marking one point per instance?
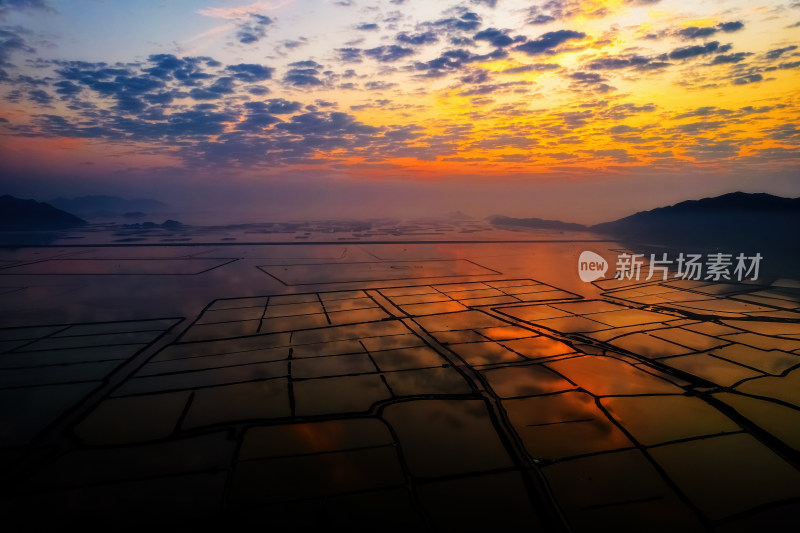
(327, 376)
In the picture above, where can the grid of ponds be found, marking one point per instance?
(495, 404)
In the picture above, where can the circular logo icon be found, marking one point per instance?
(591, 266)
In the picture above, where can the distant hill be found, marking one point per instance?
(30, 215)
(736, 217)
(536, 223)
(105, 206)
(457, 215)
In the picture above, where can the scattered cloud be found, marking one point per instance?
(31, 6)
(418, 39)
(500, 90)
(367, 26)
(253, 29)
(304, 74)
(687, 52)
(495, 37)
(468, 21)
(389, 53)
(746, 80)
(250, 72)
(549, 41)
(775, 53)
(11, 41)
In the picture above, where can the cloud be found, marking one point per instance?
(618, 154)
(504, 141)
(497, 38)
(11, 41)
(40, 97)
(250, 72)
(389, 53)
(364, 26)
(67, 88)
(195, 123)
(587, 77)
(151, 102)
(349, 55)
(279, 106)
(722, 59)
(493, 88)
(417, 39)
(785, 132)
(222, 86)
(453, 60)
(590, 80)
(750, 110)
(476, 76)
(548, 41)
(379, 85)
(540, 18)
(253, 29)
(622, 111)
(778, 52)
(687, 52)
(745, 80)
(701, 126)
(626, 61)
(304, 74)
(707, 150)
(694, 32)
(7, 6)
(553, 10)
(468, 21)
(705, 111)
(188, 70)
(331, 124)
(576, 119)
(157, 99)
(729, 27)
(258, 117)
(291, 44)
(157, 82)
(622, 128)
(533, 67)
(182, 125)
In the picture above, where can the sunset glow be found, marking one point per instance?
(400, 89)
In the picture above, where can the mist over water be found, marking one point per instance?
(291, 197)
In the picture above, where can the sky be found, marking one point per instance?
(578, 110)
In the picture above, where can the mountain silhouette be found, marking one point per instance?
(734, 218)
(30, 215)
(737, 217)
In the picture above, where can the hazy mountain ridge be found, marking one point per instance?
(737, 216)
(536, 223)
(102, 205)
(30, 215)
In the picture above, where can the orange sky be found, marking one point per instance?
(399, 89)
